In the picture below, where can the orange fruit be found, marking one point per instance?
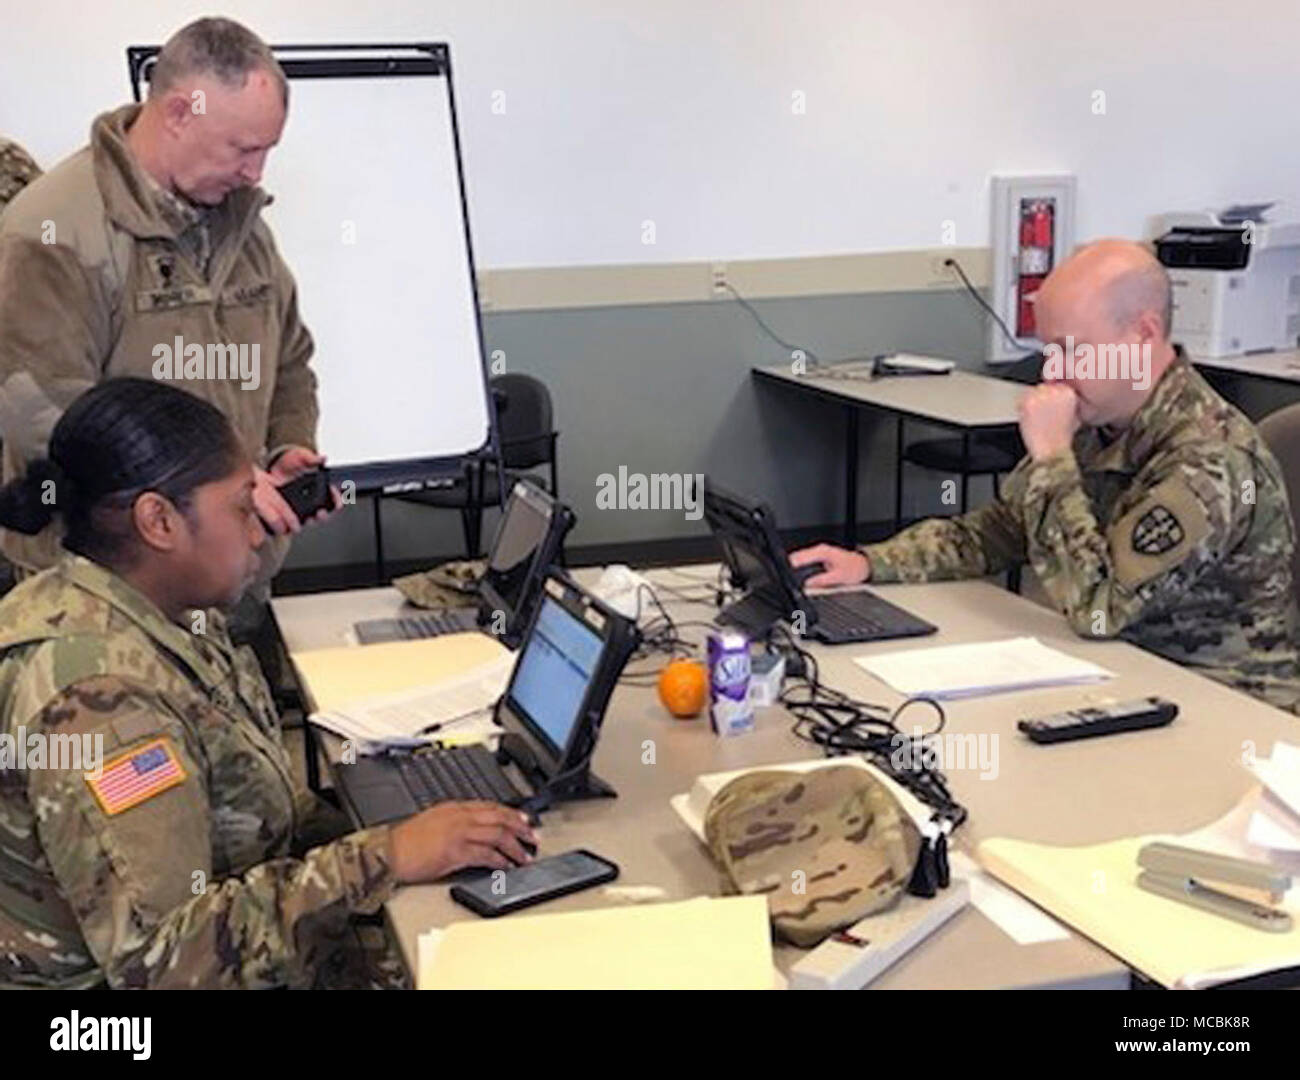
(684, 688)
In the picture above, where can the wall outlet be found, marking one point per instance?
(719, 277)
(941, 274)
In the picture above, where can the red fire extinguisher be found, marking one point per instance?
(1037, 227)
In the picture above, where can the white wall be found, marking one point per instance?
(680, 112)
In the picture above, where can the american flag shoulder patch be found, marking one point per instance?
(135, 776)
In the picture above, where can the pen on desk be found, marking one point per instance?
(429, 729)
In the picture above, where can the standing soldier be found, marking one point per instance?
(148, 240)
(17, 170)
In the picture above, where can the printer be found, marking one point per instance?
(1236, 279)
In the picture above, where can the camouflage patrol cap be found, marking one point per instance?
(828, 847)
(451, 585)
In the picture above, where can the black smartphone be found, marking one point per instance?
(308, 493)
(498, 892)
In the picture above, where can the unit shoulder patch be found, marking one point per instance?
(1157, 531)
(1157, 534)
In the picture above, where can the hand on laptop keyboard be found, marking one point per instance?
(454, 835)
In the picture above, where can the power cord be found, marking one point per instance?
(1006, 332)
(841, 725)
(659, 637)
(806, 350)
(821, 369)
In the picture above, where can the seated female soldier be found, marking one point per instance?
(170, 864)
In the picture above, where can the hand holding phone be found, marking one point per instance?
(309, 493)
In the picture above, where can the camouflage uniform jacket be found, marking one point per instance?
(17, 170)
(99, 267)
(192, 886)
(1175, 535)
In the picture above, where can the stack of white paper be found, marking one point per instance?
(461, 707)
(988, 667)
(1275, 821)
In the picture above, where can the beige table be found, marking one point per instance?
(1171, 779)
(964, 401)
(1282, 365)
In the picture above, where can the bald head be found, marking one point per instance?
(1109, 301)
(1121, 278)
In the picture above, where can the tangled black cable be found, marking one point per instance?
(659, 637)
(841, 725)
(823, 715)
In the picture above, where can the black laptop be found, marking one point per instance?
(758, 564)
(527, 544)
(569, 662)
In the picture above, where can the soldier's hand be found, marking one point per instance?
(271, 505)
(843, 567)
(452, 836)
(1049, 417)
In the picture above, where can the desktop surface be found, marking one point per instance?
(959, 399)
(1165, 780)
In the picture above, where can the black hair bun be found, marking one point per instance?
(28, 504)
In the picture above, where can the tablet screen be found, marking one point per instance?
(523, 531)
(554, 673)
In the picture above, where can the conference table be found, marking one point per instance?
(1164, 780)
(1281, 365)
(963, 401)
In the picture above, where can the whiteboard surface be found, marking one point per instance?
(368, 215)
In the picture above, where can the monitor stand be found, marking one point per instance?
(582, 785)
(754, 614)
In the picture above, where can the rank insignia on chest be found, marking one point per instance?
(164, 269)
(140, 774)
(1156, 532)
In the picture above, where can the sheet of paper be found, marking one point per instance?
(1280, 773)
(1267, 831)
(460, 706)
(348, 673)
(1286, 756)
(691, 944)
(1023, 922)
(1094, 889)
(427, 949)
(987, 667)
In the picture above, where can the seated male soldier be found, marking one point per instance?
(1149, 507)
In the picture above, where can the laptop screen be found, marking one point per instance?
(523, 530)
(750, 545)
(554, 673)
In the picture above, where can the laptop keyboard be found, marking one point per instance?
(464, 772)
(433, 623)
(861, 616)
(414, 627)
